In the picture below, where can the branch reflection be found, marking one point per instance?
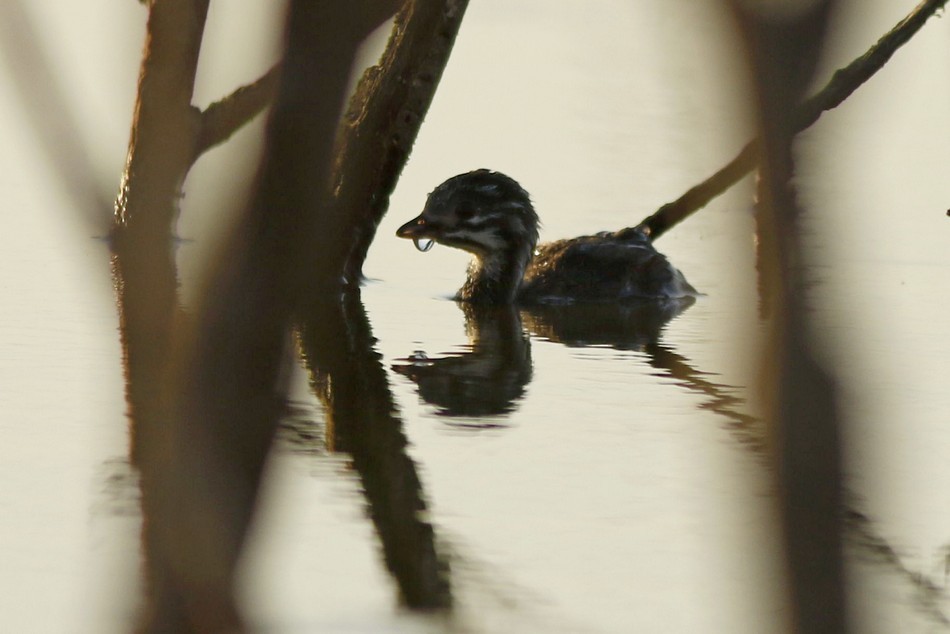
(338, 347)
(491, 376)
(640, 327)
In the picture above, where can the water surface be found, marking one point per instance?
(626, 487)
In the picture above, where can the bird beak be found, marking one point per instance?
(415, 228)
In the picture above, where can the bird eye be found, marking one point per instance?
(464, 213)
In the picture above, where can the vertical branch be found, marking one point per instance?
(227, 387)
(783, 52)
(164, 124)
(143, 265)
(159, 155)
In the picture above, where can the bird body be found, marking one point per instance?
(491, 216)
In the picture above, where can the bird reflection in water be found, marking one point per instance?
(624, 326)
(488, 379)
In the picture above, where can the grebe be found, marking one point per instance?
(491, 216)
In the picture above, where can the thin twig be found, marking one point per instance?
(844, 82)
(224, 117)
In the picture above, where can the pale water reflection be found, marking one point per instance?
(614, 487)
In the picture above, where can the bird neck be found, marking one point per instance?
(494, 278)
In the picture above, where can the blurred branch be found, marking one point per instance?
(749, 432)
(224, 117)
(842, 84)
(383, 120)
(48, 113)
(801, 395)
(228, 378)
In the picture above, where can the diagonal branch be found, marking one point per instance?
(225, 117)
(844, 82)
(384, 117)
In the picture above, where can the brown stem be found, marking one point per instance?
(383, 120)
(163, 130)
(227, 378)
(224, 117)
(160, 149)
(159, 153)
(844, 82)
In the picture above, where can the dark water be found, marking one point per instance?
(614, 479)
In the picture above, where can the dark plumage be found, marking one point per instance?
(491, 216)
